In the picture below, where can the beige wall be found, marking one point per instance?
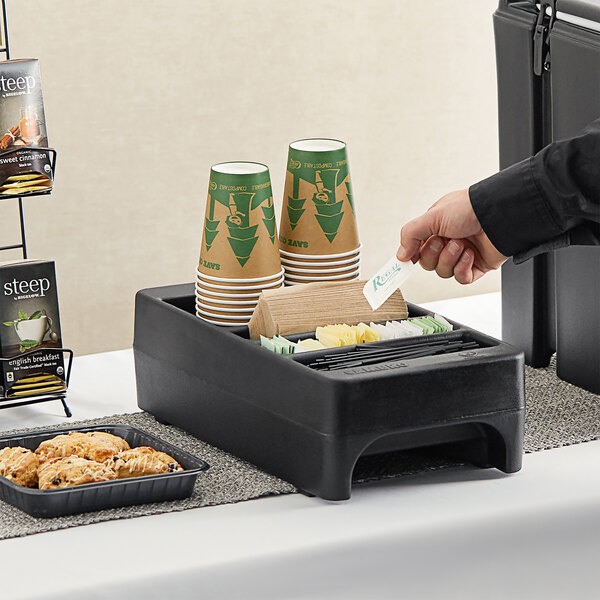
(143, 96)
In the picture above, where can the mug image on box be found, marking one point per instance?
(29, 320)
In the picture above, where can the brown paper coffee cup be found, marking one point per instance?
(239, 239)
(318, 214)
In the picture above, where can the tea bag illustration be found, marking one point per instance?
(329, 211)
(242, 236)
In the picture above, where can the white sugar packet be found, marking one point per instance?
(386, 281)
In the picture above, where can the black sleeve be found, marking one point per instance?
(536, 205)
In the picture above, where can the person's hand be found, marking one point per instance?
(449, 240)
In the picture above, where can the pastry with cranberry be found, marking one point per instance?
(67, 472)
(19, 465)
(92, 445)
(143, 461)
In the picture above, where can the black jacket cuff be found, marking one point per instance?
(513, 211)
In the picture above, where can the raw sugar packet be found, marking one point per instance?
(386, 281)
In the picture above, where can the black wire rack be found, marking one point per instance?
(5, 50)
(8, 402)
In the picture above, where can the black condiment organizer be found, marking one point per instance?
(310, 427)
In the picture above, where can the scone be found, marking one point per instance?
(143, 461)
(66, 472)
(94, 445)
(19, 465)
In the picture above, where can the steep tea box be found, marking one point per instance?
(29, 320)
(24, 166)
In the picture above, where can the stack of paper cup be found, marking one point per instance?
(318, 238)
(334, 267)
(239, 257)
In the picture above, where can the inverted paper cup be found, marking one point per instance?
(322, 270)
(239, 287)
(225, 316)
(320, 257)
(224, 309)
(317, 264)
(221, 322)
(239, 239)
(317, 217)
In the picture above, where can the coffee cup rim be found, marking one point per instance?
(218, 316)
(225, 309)
(240, 280)
(253, 295)
(225, 324)
(317, 256)
(334, 278)
(244, 287)
(288, 283)
(264, 168)
(285, 262)
(293, 270)
(225, 302)
(333, 143)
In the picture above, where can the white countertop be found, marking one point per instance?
(459, 533)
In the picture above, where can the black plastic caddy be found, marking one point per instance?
(309, 426)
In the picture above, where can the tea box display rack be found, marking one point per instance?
(32, 399)
(5, 50)
(62, 395)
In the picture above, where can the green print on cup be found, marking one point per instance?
(318, 202)
(210, 224)
(240, 233)
(269, 219)
(349, 196)
(295, 205)
(242, 236)
(295, 209)
(329, 211)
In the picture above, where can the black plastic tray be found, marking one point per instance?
(106, 494)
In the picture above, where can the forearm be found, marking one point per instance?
(539, 199)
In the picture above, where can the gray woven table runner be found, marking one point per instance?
(558, 414)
